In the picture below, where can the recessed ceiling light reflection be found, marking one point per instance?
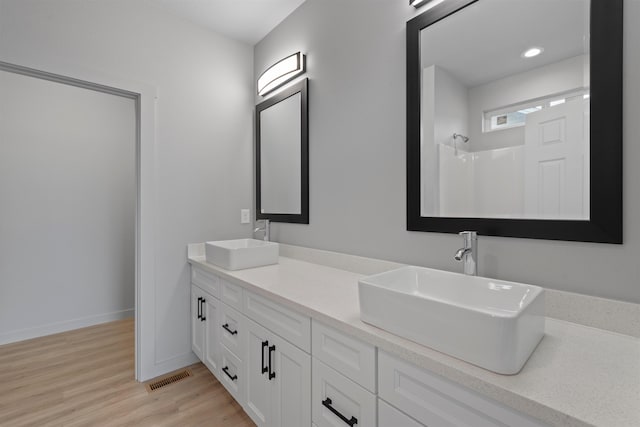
(532, 52)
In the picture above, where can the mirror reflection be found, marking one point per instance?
(505, 111)
(280, 171)
(282, 158)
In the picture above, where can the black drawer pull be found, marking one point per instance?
(327, 404)
(272, 374)
(226, 371)
(202, 316)
(265, 369)
(199, 309)
(226, 328)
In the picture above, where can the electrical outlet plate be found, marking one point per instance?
(245, 216)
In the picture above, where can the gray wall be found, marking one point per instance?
(67, 207)
(356, 67)
(203, 146)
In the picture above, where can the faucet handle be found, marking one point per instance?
(469, 238)
(265, 229)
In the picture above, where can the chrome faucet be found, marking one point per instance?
(468, 254)
(265, 229)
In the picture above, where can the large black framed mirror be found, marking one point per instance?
(514, 119)
(282, 156)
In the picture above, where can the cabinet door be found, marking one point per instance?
(212, 333)
(436, 401)
(287, 323)
(388, 416)
(337, 399)
(197, 325)
(291, 404)
(351, 357)
(232, 375)
(231, 329)
(259, 394)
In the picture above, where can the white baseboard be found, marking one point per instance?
(169, 365)
(64, 326)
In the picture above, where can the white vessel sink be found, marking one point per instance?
(241, 253)
(490, 323)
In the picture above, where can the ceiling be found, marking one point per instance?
(484, 41)
(244, 20)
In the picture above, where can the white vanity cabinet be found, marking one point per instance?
(289, 371)
(351, 357)
(388, 416)
(266, 367)
(344, 379)
(205, 340)
(338, 402)
(278, 380)
(232, 329)
(437, 402)
(197, 325)
(217, 331)
(232, 375)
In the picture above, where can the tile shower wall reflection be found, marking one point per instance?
(484, 106)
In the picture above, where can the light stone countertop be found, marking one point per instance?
(578, 376)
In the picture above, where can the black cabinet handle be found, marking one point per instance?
(226, 371)
(203, 318)
(199, 308)
(327, 404)
(272, 374)
(226, 328)
(265, 369)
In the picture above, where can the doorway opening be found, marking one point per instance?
(71, 189)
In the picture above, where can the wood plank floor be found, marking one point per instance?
(86, 378)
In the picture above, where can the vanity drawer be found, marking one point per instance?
(232, 330)
(388, 416)
(231, 294)
(347, 355)
(331, 389)
(231, 375)
(290, 325)
(438, 402)
(205, 280)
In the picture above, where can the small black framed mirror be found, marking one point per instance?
(282, 156)
(542, 159)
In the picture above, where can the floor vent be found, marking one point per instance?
(169, 379)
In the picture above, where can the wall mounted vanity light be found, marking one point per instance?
(420, 3)
(281, 72)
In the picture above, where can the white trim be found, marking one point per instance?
(63, 326)
(541, 102)
(146, 97)
(172, 364)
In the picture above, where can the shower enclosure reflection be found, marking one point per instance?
(505, 132)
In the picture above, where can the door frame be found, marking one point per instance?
(145, 97)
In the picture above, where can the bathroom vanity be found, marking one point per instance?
(287, 342)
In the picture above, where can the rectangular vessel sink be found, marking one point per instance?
(241, 253)
(490, 323)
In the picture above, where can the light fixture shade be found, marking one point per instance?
(417, 3)
(420, 3)
(281, 72)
